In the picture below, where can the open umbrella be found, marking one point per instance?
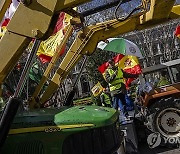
(120, 45)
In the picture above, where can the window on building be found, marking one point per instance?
(155, 49)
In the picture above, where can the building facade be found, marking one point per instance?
(158, 44)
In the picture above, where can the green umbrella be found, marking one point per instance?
(121, 46)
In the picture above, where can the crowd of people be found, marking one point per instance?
(116, 94)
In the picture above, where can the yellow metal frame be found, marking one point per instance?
(159, 10)
(47, 128)
(50, 66)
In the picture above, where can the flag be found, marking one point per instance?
(177, 31)
(2, 31)
(97, 89)
(48, 47)
(3, 27)
(35, 73)
(127, 63)
(7, 17)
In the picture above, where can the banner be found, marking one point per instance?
(97, 89)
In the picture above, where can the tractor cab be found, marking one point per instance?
(163, 74)
(160, 80)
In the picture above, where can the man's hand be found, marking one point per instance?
(115, 72)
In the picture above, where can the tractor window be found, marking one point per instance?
(176, 72)
(158, 78)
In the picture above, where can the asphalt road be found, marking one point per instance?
(144, 149)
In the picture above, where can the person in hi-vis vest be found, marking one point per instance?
(114, 76)
(106, 99)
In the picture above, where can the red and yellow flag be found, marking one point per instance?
(177, 31)
(48, 47)
(127, 63)
(8, 15)
(3, 27)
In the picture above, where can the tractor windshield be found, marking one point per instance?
(158, 78)
(176, 72)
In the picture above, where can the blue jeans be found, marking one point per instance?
(119, 100)
(129, 103)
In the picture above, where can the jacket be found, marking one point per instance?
(105, 99)
(121, 88)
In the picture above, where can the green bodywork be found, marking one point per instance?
(46, 129)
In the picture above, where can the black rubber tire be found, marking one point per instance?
(160, 109)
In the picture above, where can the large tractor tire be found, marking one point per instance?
(166, 119)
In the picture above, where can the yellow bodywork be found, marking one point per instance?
(34, 21)
(47, 128)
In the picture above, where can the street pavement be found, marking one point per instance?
(144, 149)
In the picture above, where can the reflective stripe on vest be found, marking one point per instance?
(116, 83)
(107, 100)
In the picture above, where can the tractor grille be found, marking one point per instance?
(104, 140)
(30, 147)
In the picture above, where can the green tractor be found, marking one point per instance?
(77, 130)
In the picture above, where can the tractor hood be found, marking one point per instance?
(98, 116)
(73, 117)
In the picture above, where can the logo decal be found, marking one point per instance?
(154, 140)
(132, 49)
(128, 62)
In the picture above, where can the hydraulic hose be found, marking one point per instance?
(126, 17)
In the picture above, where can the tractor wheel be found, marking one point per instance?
(166, 119)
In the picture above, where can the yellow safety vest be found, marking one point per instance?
(116, 83)
(107, 99)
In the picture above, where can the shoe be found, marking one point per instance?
(126, 114)
(127, 118)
